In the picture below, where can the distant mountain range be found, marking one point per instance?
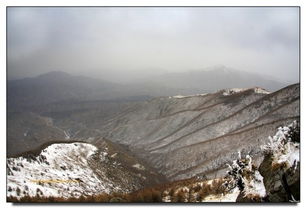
(54, 87)
(213, 79)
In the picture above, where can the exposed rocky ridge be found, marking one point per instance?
(183, 137)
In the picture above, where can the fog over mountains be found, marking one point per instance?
(119, 42)
(155, 131)
(153, 104)
(143, 140)
(213, 79)
(57, 105)
(59, 86)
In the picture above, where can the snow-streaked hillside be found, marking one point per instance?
(60, 170)
(66, 171)
(184, 136)
(74, 169)
(247, 183)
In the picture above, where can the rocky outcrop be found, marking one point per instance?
(282, 184)
(278, 177)
(281, 166)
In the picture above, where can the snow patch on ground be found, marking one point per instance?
(255, 186)
(229, 197)
(226, 92)
(138, 166)
(291, 156)
(26, 133)
(232, 91)
(187, 96)
(166, 198)
(261, 90)
(114, 155)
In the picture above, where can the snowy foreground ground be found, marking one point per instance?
(63, 170)
(60, 170)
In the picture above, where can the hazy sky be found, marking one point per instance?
(132, 42)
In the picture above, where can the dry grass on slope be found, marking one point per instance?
(190, 190)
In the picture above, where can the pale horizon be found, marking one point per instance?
(122, 44)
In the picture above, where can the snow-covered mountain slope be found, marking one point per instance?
(59, 170)
(187, 136)
(275, 180)
(75, 169)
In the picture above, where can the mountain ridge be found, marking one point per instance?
(155, 138)
(58, 86)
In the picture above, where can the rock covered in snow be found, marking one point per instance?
(277, 178)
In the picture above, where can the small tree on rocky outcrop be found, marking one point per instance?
(280, 143)
(242, 174)
(236, 171)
